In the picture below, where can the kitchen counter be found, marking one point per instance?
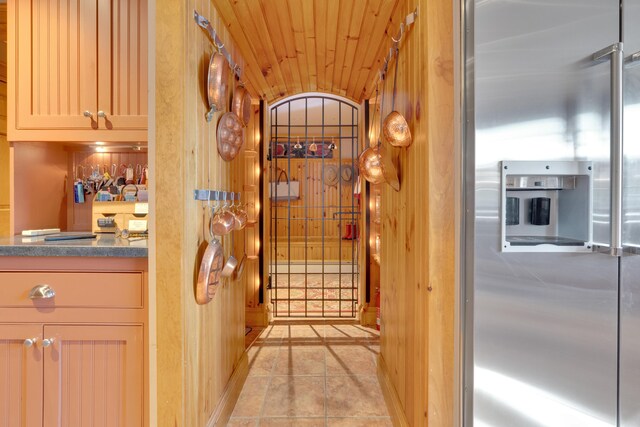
(104, 245)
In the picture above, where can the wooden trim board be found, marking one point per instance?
(394, 405)
(231, 393)
(257, 316)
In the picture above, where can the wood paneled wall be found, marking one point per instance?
(198, 347)
(418, 238)
(313, 194)
(4, 145)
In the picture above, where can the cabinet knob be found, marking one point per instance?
(48, 342)
(30, 341)
(42, 292)
(102, 114)
(88, 113)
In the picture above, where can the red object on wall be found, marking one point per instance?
(378, 308)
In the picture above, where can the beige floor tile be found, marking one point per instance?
(295, 396)
(302, 331)
(242, 422)
(262, 359)
(291, 422)
(351, 331)
(251, 398)
(300, 360)
(359, 422)
(349, 360)
(355, 396)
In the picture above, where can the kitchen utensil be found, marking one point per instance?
(237, 275)
(231, 264)
(217, 83)
(210, 268)
(396, 129)
(241, 216)
(223, 220)
(68, 236)
(374, 163)
(229, 136)
(241, 104)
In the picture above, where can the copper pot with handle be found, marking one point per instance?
(209, 273)
(217, 83)
(241, 104)
(396, 129)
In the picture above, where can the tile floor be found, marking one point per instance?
(312, 295)
(320, 374)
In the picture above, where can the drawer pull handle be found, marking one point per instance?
(102, 114)
(30, 341)
(42, 292)
(48, 342)
(88, 114)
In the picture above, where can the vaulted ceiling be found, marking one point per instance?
(295, 46)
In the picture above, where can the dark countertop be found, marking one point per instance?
(104, 245)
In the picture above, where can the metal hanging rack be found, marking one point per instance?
(206, 25)
(215, 195)
(404, 27)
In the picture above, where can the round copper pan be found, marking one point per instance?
(376, 166)
(230, 136)
(209, 272)
(217, 81)
(241, 104)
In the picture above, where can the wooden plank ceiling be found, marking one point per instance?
(295, 46)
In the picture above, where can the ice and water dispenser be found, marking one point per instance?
(546, 206)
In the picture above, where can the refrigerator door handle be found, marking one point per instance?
(632, 60)
(616, 54)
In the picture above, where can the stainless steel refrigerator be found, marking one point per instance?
(552, 195)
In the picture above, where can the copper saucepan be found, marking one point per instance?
(217, 83)
(241, 104)
(396, 129)
(210, 269)
(223, 221)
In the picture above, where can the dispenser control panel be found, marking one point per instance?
(546, 206)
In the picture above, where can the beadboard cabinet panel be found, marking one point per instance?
(93, 375)
(71, 59)
(20, 376)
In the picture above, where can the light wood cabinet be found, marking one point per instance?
(77, 357)
(20, 376)
(78, 70)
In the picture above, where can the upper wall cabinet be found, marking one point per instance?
(77, 70)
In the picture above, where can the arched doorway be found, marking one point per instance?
(314, 206)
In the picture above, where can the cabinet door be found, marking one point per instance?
(53, 67)
(93, 375)
(20, 376)
(122, 66)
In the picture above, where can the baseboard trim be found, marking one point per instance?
(257, 316)
(221, 415)
(368, 316)
(391, 397)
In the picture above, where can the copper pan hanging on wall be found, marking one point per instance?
(241, 104)
(217, 83)
(374, 163)
(230, 136)
(395, 127)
